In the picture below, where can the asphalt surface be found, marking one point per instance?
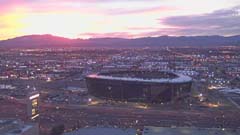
(78, 116)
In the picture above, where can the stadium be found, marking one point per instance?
(139, 86)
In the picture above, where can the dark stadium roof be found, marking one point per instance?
(143, 76)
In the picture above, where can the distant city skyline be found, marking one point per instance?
(119, 18)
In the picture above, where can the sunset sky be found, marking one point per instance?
(119, 18)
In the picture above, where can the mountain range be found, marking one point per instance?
(38, 41)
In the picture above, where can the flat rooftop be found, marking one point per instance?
(149, 130)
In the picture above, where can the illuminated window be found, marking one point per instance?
(33, 111)
(34, 102)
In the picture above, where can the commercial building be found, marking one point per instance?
(33, 105)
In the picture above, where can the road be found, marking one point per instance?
(77, 116)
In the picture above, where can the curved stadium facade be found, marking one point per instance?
(139, 86)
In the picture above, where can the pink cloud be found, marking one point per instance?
(142, 10)
(45, 6)
(7, 6)
(72, 5)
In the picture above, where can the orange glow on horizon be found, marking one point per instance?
(83, 19)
